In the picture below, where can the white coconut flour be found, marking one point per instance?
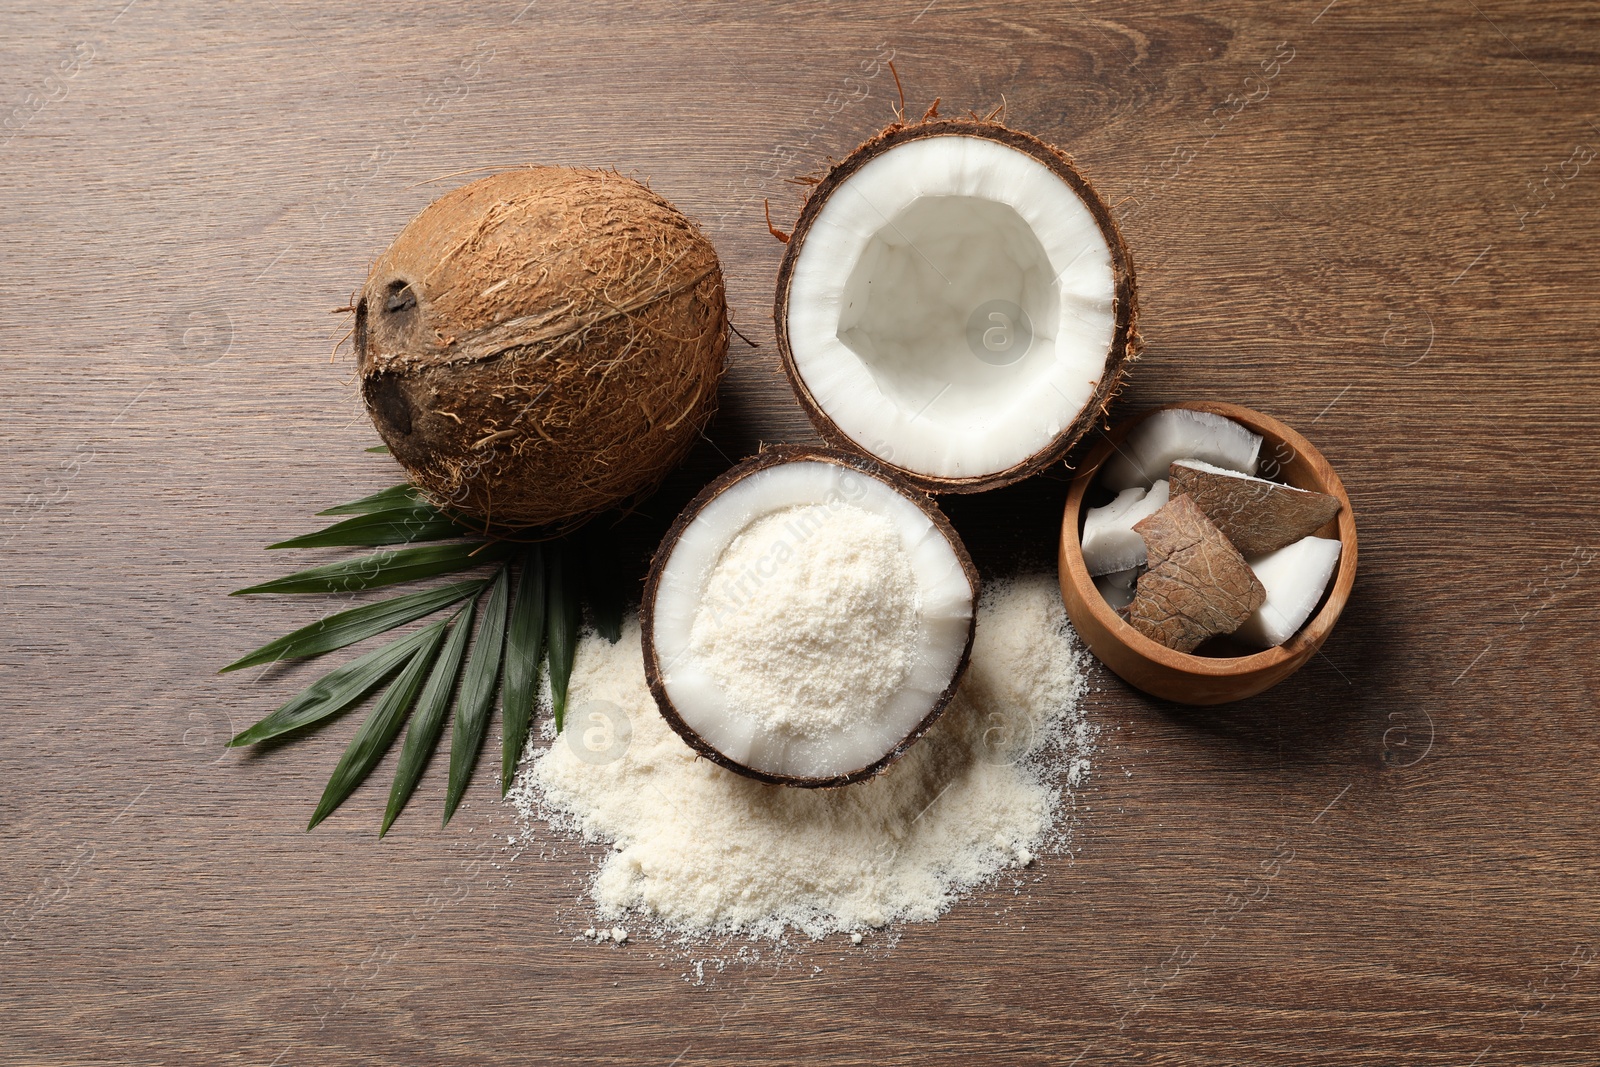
(821, 629)
(700, 851)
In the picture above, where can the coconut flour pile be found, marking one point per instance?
(699, 851)
(806, 632)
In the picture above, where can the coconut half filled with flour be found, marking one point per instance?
(956, 301)
(806, 619)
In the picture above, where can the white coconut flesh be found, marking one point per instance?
(1295, 578)
(903, 314)
(1119, 587)
(1173, 434)
(1110, 543)
(768, 527)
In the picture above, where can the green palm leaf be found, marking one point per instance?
(428, 718)
(334, 691)
(386, 568)
(396, 496)
(524, 650)
(477, 693)
(518, 630)
(397, 526)
(565, 615)
(378, 732)
(357, 624)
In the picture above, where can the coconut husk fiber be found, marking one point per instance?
(542, 344)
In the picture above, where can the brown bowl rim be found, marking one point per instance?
(1306, 640)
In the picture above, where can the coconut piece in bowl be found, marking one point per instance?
(1294, 578)
(1110, 543)
(1257, 515)
(1174, 434)
(1198, 585)
(1119, 587)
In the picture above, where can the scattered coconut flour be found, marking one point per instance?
(777, 655)
(699, 852)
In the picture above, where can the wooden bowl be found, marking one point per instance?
(1218, 671)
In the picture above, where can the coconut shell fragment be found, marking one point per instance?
(1198, 585)
(542, 344)
(1258, 516)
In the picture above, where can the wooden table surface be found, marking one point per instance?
(1377, 222)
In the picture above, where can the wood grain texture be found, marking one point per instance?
(1375, 222)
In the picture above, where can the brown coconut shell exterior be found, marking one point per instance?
(768, 458)
(1257, 516)
(1198, 585)
(1125, 343)
(542, 344)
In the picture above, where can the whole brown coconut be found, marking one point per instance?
(542, 344)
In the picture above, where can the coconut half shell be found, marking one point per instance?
(969, 244)
(657, 672)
